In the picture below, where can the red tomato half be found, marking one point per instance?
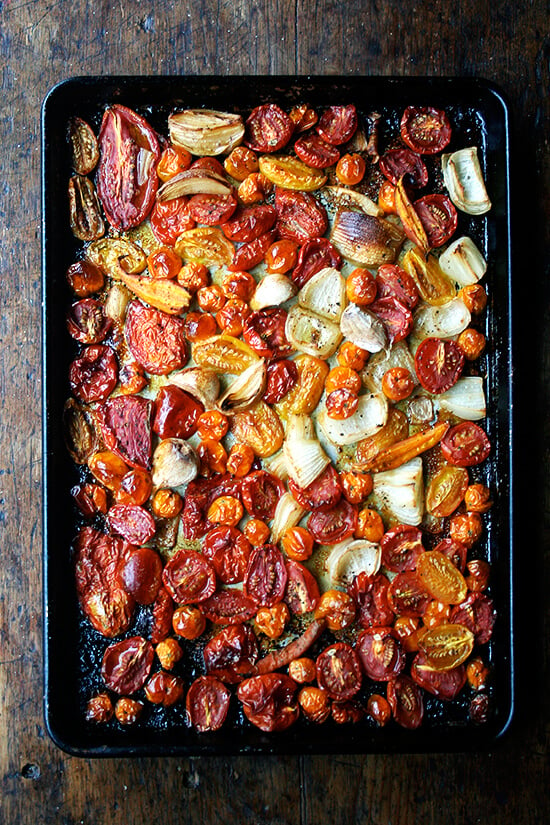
(249, 223)
(398, 163)
(438, 217)
(477, 613)
(425, 130)
(176, 413)
(438, 364)
(280, 378)
(212, 210)
(189, 577)
(397, 318)
(264, 331)
(126, 665)
(380, 653)
(339, 671)
(394, 282)
(260, 492)
(228, 550)
(445, 684)
(407, 596)
(169, 219)
(300, 216)
(268, 701)
(231, 654)
(322, 494)
(401, 547)
(207, 703)
(335, 525)
(266, 576)
(94, 375)
(315, 254)
(228, 607)
(156, 340)
(250, 254)
(127, 173)
(370, 594)
(405, 698)
(132, 522)
(302, 590)
(465, 445)
(337, 124)
(316, 152)
(268, 128)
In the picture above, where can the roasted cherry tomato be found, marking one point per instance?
(341, 404)
(241, 162)
(351, 169)
(231, 654)
(94, 375)
(264, 331)
(169, 219)
(443, 684)
(398, 163)
(337, 124)
(85, 278)
(87, 322)
(407, 596)
(322, 494)
(477, 613)
(361, 287)
(315, 151)
(380, 653)
(260, 493)
(126, 665)
(228, 607)
(334, 526)
(280, 378)
(188, 622)
(455, 551)
(127, 173)
(173, 160)
(339, 671)
(401, 548)
(212, 210)
(397, 317)
(207, 703)
(393, 282)
(438, 217)
(425, 130)
(141, 575)
(446, 646)
(446, 490)
(397, 383)
(189, 577)
(269, 701)
(337, 608)
(176, 413)
(266, 576)
(132, 522)
(297, 543)
(165, 689)
(302, 590)
(252, 253)
(370, 594)
(281, 256)
(228, 550)
(438, 364)
(406, 702)
(441, 578)
(156, 340)
(465, 445)
(315, 254)
(300, 216)
(268, 128)
(249, 223)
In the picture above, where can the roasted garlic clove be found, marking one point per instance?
(174, 463)
(84, 145)
(203, 384)
(79, 431)
(244, 390)
(272, 291)
(87, 223)
(364, 329)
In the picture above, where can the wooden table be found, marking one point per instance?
(42, 42)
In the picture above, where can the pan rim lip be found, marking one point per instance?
(430, 737)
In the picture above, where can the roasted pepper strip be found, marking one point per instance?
(160, 293)
(284, 656)
(412, 224)
(403, 451)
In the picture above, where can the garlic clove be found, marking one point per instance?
(464, 181)
(244, 390)
(364, 329)
(312, 334)
(273, 290)
(462, 262)
(325, 294)
(366, 239)
(203, 384)
(370, 416)
(175, 463)
(206, 131)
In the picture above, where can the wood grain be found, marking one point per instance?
(42, 42)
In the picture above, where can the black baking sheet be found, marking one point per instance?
(72, 650)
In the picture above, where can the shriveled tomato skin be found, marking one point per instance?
(322, 494)
(401, 548)
(260, 492)
(445, 684)
(380, 653)
(405, 698)
(315, 151)
(156, 340)
(335, 525)
(163, 610)
(269, 701)
(107, 605)
(176, 413)
(266, 576)
(127, 664)
(438, 217)
(315, 254)
(393, 281)
(281, 376)
(264, 331)
(228, 550)
(132, 522)
(370, 594)
(477, 613)
(169, 219)
(338, 124)
(398, 163)
(127, 180)
(302, 591)
(126, 428)
(425, 130)
(397, 318)
(232, 653)
(300, 216)
(94, 375)
(189, 577)
(339, 671)
(207, 703)
(249, 222)
(87, 323)
(228, 607)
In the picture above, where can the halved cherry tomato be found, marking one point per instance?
(393, 281)
(266, 576)
(174, 159)
(425, 130)
(260, 492)
(280, 378)
(337, 124)
(438, 217)
(300, 216)
(465, 445)
(249, 255)
(207, 703)
(380, 653)
(269, 701)
(281, 256)
(446, 646)
(189, 577)
(127, 173)
(438, 364)
(141, 575)
(405, 698)
(445, 684)
(126, 664)
(397, 318)
(398, 163)
(156, 340)
(322, 494)
(455, 551)
(446, 490)
(132, 522)
(315, 151)
(406, 594)
(350, 169)
(401, 548)
(478, 614)
(264, 331)
(231, 654)
(228, 550)
(302, 590)
(169, 219)
(441, 578)
(315, 254)
(228, 607)
(334, 526)
(211, 210)
(268, 128)
(370, 594)
(249, 223)
(339, 671)
(94, 375)
(341, 404)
